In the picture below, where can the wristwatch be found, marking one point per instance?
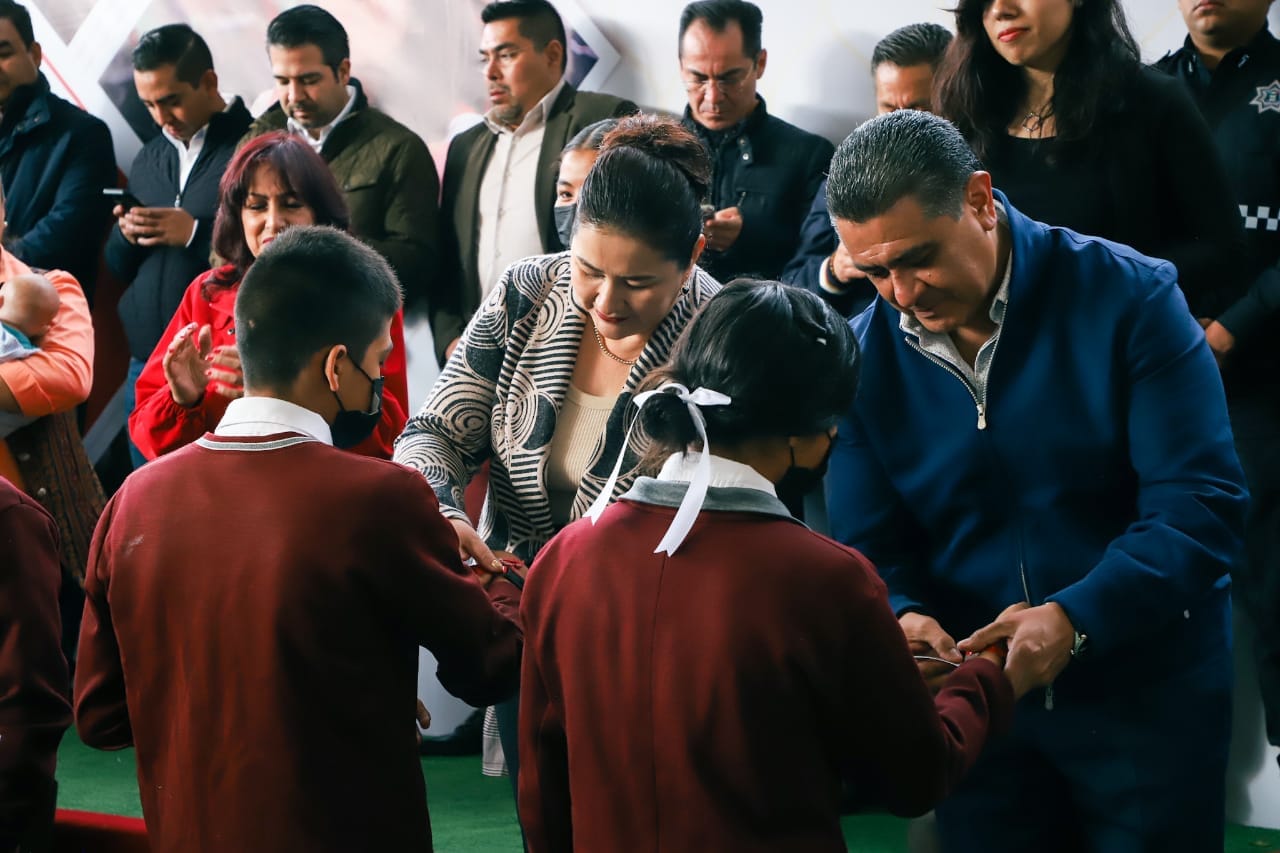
(1079, 645)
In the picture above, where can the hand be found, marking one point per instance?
(185, 363)
(1220, 340)
(453, 345)
(1040, 640)
(124, 223)
(723, 228)
(843, 269)
(225, 373)
(157, 226)
(926, 637)
(424, 721)
(472, 547)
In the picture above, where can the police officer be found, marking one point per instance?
(1231, 63)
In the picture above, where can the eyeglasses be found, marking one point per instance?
(727, 84)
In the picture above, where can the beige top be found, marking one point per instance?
(577, 441)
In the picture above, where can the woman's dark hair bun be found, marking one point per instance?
(666, 139)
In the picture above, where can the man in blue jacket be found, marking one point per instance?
(55, 160)
(1040, 452)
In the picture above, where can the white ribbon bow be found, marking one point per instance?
(697, 491)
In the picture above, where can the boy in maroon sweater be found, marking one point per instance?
(256, 600)
(33, 674)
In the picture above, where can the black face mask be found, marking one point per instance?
(350, 428)
(564, 214)
(801, 481)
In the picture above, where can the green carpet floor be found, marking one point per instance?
(470, 813)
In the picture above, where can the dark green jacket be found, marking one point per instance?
(391, 185)
(464, 167)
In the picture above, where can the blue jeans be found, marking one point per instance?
(130, 403)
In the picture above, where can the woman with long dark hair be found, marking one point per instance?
(1054, 99)
(274, 182)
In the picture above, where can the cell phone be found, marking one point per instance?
(124, 198)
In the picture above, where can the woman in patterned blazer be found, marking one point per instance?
(541, 382)
(558, 337)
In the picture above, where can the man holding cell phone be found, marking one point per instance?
(164, 221)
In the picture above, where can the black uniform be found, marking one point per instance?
(770, 170)
(1240, 100)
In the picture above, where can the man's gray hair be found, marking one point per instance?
(902, 154)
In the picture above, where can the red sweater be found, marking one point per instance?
(714, 699)
(33, 674)
(158, 425)
(253, 616)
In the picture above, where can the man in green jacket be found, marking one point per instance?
(383, 167)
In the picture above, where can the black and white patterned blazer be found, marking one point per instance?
(500, 393)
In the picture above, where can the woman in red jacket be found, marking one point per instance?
(273, 182)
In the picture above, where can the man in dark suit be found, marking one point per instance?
(500, 176)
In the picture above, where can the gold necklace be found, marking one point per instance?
(604, 349)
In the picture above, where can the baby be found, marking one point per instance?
(28, 304)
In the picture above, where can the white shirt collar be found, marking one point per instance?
(317, 143)
(258, 416)
(535, 118)
(724, 473)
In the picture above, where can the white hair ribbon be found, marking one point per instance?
(697, 491)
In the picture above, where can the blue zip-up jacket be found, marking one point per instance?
(1104, 479)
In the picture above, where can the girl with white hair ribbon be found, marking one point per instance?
(702, 670)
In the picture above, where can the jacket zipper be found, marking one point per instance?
(979, 404)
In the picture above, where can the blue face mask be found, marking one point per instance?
(565, 214)
(350, 428)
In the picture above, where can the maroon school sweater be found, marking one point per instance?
(714, 699)
(254, 612)
(34, 711)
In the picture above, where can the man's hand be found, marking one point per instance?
(926, 637)
(843, 269)
(1220, 340)
(453, 345)
(1040, 640)
(124, 223)
(156, 226)
(723, 228)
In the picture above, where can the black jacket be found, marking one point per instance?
(1241, 102)
(770, 170)
(55, 160)
(1150, 174)
(159, 275)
